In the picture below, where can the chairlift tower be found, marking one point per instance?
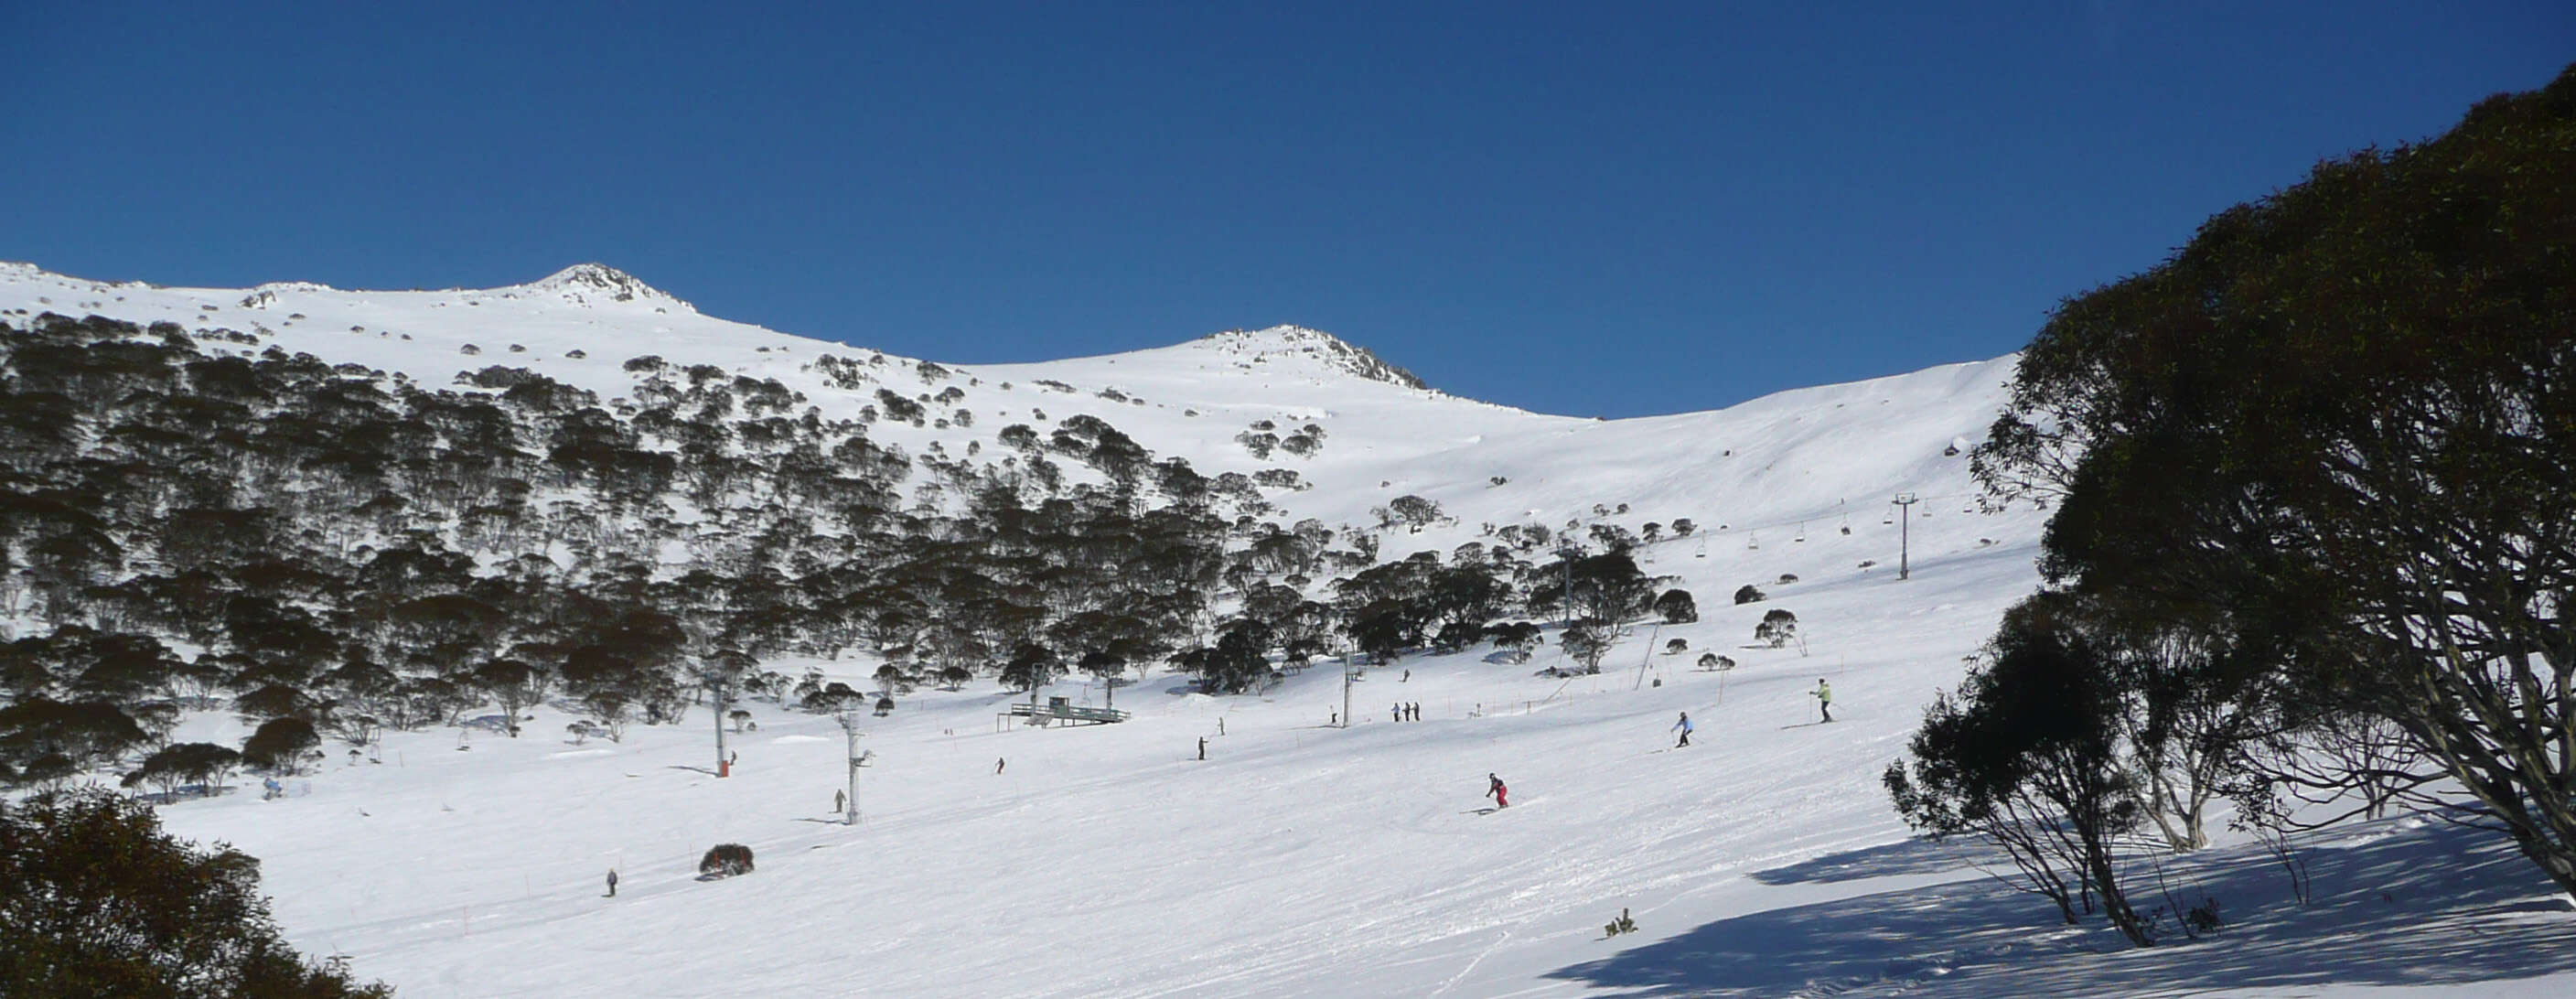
(1904, 506)
(1346, 691)
(848, 717)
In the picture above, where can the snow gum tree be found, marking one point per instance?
(2026, 754)
(2341, 423)
(96, 900)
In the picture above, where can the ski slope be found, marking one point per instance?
(1303, 858)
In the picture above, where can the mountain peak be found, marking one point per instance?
(1333, 351)
(584, 283)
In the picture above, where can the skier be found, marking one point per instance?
(1417, 711)
(998, 763)
(1685, 726)
(1203, 747)
(1824, 695)
(612, 882)
(840, 802)
(1396, 713)
(1500, 794)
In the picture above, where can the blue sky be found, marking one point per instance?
(1600, 209)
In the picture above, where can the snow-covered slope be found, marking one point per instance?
(1818, 456)
(1298, 859)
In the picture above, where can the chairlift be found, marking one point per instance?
(1703, 547)
(1802, 534)
(1846, 524)
(1753, 541)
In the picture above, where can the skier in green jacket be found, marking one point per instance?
(1824, 694)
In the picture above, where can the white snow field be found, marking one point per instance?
(1302, 859)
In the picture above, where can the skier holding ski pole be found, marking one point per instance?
(1684, 727)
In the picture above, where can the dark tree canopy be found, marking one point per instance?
(95, 900)
(2339, 426)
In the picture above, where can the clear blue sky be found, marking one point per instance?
(1608, 209)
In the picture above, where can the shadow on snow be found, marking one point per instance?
(2397, 902)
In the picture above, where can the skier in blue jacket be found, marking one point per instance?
(1683, 726)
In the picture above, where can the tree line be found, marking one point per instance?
(331, 552)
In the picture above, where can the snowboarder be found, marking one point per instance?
(270, 790)
(1203, 747)
(1684, 726)
(1500, 794)
(840, 802)
(998, 763)
(1825, 698)
(612, 882)
(1408, 677)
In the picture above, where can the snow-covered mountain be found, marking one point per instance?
(1307, 854)
(1817, 457)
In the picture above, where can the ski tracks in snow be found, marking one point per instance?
(1471, 964)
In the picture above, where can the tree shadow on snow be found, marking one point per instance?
(1913, 856)
(2395, 903)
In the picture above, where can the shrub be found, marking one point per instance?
(1777, 628)
(280, 744)
(725, 860)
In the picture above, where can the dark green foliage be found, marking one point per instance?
(1240, 661)
(1778, 627)
(1103, 664)
(45, 740)
(1748, 594)
(1414, 512)
(2337, 430)
(95, 900)
(1516, 636)
(1588, 640)
(280, 745)
(1677, 607)
(1608, 586)
(2026, 754)
(1384, 631)
(725, 860)
(1031, 667)
(183, 763)
(1458, 635)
